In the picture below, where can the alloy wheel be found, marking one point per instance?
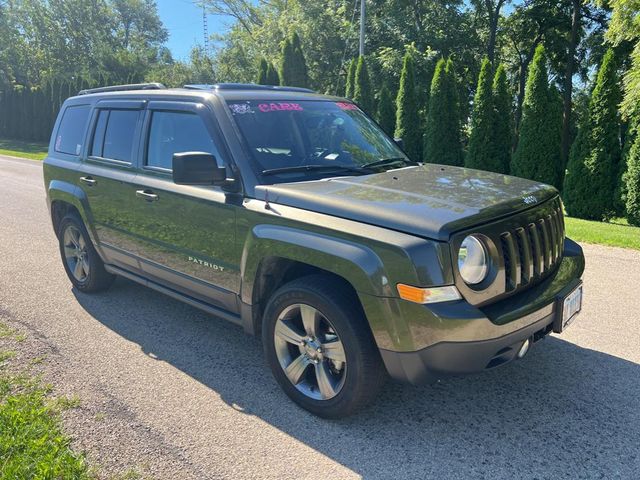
(75, 253)
(310, 351)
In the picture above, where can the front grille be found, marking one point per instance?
(531, 251)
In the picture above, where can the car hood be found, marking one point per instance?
(431, 201)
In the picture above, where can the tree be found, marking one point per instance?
(632, 178)
(490, 8)
(594, 162)
(386, 115)
(407, 117)
(537, 156)
(262, 72)
(502, 121)
(363, 92)
(481, 150)
(625, 27)
(272, 75)
(351, 78)
(442, 142)
(293, 71)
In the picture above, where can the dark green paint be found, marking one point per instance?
(375, 231)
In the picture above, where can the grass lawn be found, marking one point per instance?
(617, 233)
(18, 148)
(32, 444)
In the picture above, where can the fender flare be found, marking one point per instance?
(357, 264)
(61, 191)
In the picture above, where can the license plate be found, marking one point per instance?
(571, 306)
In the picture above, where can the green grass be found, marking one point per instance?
(32, 443)
(617, 233)
(18, 148)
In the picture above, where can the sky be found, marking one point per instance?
(183, 19)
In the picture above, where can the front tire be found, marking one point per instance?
(82, 263)
(320, 348)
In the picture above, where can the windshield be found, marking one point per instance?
(293, 141)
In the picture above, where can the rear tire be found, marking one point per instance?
(319, 347)
(81, 261)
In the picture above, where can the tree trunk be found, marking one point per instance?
(568, 82)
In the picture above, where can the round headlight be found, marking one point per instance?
(473, 263)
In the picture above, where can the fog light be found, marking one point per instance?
(524, 348)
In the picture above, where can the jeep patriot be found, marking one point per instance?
(293, 215)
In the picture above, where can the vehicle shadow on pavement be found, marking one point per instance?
(563, 411)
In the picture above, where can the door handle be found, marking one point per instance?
(147, 195)
(89, 181)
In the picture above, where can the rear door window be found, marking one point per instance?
(71, 131)
(119, 135)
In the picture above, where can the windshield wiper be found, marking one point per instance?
(315, 168)
(388, 161)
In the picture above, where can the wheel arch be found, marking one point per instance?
(64, 198)
(275, 255)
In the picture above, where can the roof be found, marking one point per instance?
(227, 91)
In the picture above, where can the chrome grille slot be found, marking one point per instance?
(531, 251)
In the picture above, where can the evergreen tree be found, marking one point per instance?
(386, 112)
(594, 163)
(501, 120)
(481, 150)
(362, 92)
(407, 118)
(442, 142)
(351, 76)
(272, 75)
(293, 71)
(301, 63)
(632, 182)
(538, 155)
(263, 73)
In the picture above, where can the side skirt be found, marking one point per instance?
(218, 312)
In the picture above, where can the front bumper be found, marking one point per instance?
(460, 358)
(421, 343)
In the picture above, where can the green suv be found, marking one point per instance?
(294, 216)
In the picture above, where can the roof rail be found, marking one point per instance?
(247, 86)
(120, 88)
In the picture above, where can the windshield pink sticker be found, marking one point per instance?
(346, 106)
(279, 107)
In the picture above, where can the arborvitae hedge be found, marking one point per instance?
(351, 78)
(386, 112)
(407, 118)
(362, 92)
(442, 140)
(262, 73)
(632, 182)
(481, 151)
(293, 71)
(538, 155)
(594, 162)
(272, 75)
(29, 114)
(502, 136)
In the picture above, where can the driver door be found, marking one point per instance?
(186, 234)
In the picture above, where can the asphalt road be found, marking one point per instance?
(178, 394)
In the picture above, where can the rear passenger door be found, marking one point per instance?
(185, 234)
(108, 173)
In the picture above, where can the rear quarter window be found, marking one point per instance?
(70, 135)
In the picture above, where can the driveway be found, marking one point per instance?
(179, 394)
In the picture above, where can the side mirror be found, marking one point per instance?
(197, 168)
(399, 142)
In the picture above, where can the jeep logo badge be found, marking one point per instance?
(530, 200)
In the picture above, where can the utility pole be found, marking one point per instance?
(362, 17)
